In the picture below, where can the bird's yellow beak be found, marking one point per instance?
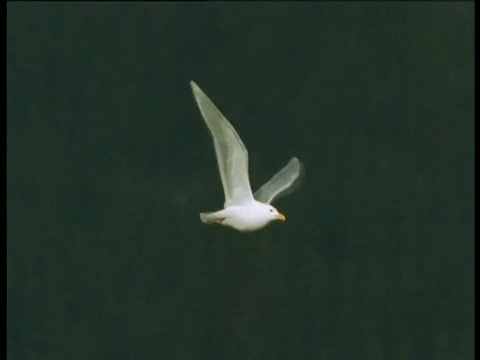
(281, 217)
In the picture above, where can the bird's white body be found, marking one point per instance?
(243, 210)
(248, 217)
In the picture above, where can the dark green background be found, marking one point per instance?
(109, 164)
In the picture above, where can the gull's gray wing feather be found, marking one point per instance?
(282, 183)
(232, 156)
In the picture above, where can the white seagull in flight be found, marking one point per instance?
(243, 210)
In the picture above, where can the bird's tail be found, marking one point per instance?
(206, 217)
(211, 218)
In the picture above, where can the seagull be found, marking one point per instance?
(243, 210)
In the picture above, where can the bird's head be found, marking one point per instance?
(274, 214)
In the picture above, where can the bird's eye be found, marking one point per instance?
(271, 210)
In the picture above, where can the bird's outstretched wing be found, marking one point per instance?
(282, 183)
(232, 156)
